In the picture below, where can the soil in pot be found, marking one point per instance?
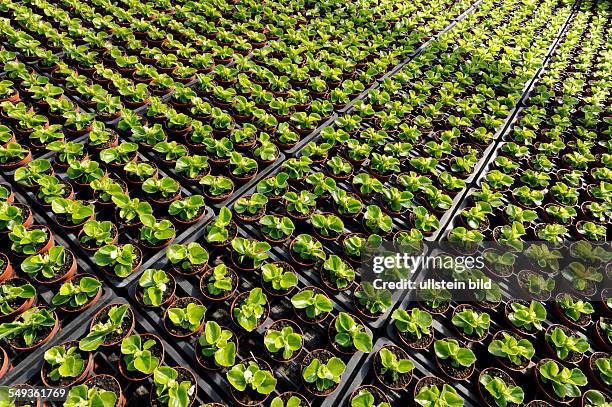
(107, 382)
(68, 381)
(386, 380)
(223, 295)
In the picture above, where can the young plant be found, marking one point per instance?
(375, 301)
(98, 233)
(472, 322)
(392, 366)
(73, 210)
(350, 334)
(81, 395)
(216, 342)
(250, 310)
(77, 295)
(28, 325)
(13, 294)
(220, 280)
(188, 208)
(189, 318)
(65, 363)
(154, 283)
(517, 351)
(574, 309)
(528, 317)
(458, 356)
(250, 253)
(138, 355)
(324, 375)
(502, 392)
(252, 204)
(27, 241)
(340, 273)
(286, 341)
(276, 227)
(217, 231)
(101, 330)
(169, 390)
(327, 225)
(564, 344)
(251, 376)
(604, 367)
(120, 258)
(313, 304)
(155, 232)
(416, 323)
(432, 396)
(279, 279)
(564, 381)
(47, 265)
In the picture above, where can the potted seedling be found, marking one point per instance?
(162, 191)
(173, 387)
(219, 283)
(312, 305)
(251, 382)
(512, 351)
(558, 383)
(251, 208)
(414, 327)
(283, 340)
(336, 274)
(78, 293)
(216, 348)
(72, 213)
(140, 356)
(322, 372)
(454, 359)
(278, 279)
(66, 365)
(129, 210)
(30, 330)
(154, 233)
(217, 188)
(348, 335)
(96, 234)
(250, 309)
(221, 231)
(276, 229)
(118, 260)
(188, 258)
(108, 327)
(102, 390)
(572, 311)
(563, 345)
(498, 389)
(471, 324)
(249, 255)
(306, 250)
(184, 317)
(155, 288)
(526, 318)
(392, 367)
(16, 296)
(37, 239)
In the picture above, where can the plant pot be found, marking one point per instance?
(545, 389)
(221, 297)
(573, 358)
(413, 342)
(455, 373)
(87, 369)
(75, 279)
(135, 264)
(107, 382)
(65, 273)
(208, 363)
(585, 319)
(157, 350)
(20, 307)
(427, 381)
(128, 324)
(248, 401)
(178, 332)
(379, 396)
(466, 337)
(324, 356)
(403, 380)
(114, 233)
(519, 330)
(279, 325)
(505, 363)
(237, 301)
(43, 248)
(6, 268)
(18, 163)
(593, 373)
(44, 340)
(167, 297)
(487, 399)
